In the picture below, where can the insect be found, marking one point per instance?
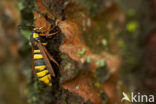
(41, 57)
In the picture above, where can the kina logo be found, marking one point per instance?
(137, 97)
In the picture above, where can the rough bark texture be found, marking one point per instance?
(105, 47)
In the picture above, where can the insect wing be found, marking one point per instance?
(47, 62)
(33, 60)
(52, 59)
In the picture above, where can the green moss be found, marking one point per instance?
(67, 66)
(131, 12)
(132, 60)
(132, 26)
(26, 7)
(20, 6)
(97, 84)
(122, 46)
(81, 52)
(88, 59)
(100, 63)
(93, 37)
(35, 18)
(34, 99)
(26, 33)
(104, 42)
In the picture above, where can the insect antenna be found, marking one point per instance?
(25, 27)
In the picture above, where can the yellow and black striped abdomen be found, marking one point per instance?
(40, 68)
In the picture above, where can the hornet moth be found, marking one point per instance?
(41, 57)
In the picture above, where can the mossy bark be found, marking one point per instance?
(103, 49)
